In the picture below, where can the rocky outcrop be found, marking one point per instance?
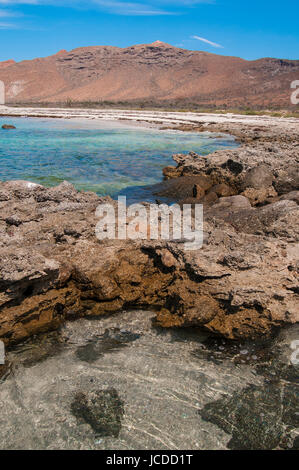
(263, 169)
(242, 283)
(258, 177)
(8, 126)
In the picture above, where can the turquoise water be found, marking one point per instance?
(102, 157)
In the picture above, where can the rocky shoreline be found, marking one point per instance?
(242, 284)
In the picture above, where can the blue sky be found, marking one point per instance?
(250, 28)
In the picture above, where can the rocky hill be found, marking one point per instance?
(156, 72)
(6, 63)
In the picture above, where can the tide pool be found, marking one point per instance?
(105, 157)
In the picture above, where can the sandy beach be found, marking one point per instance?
(150, 118)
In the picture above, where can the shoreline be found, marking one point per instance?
(150, 118)
(107, 167)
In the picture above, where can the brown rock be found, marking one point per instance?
(210, 198)
(8, 126)
(170, 172)
(222, 190)
(242, 283)
(259, 196)
(201, 311)
(198, 192)
(183, 187)
(227, 205)
(292, 196)
(167, 258)
(259, 177)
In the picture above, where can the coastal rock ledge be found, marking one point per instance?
(243, 283)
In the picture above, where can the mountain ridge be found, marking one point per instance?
(156, 72)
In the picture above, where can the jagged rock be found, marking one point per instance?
(170, 172)
(20, 188)
(240, 168)
(4, 195)
(65, 191)
(242, 283)
(259, 177)
(259, 196)
(47, 277)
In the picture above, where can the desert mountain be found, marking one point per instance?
(155, 72)
(6, 63)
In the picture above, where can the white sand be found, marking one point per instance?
(148, 118)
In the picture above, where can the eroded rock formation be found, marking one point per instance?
(242, 283)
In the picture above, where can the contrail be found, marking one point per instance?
(214, 44)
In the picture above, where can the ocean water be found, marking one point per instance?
(103, 157)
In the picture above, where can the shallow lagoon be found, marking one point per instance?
(104, 157)
(121, 383)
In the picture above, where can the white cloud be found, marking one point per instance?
(211, 43)
(8, 13)
(130, 8)
(111, 6)
(7, 26)
(149, 7)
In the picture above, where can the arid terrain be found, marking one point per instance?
(154, 73)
